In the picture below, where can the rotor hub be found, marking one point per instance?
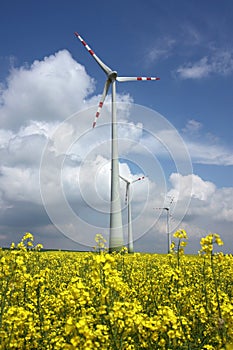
(112, 75)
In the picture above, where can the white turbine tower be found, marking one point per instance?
(168, 224)
(116, 241)
(128, 203)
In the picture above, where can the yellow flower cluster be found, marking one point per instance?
(71, 300)
(207, 243)
(181, 235)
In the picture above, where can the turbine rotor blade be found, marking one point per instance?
(105, 68)
(140, 178)
(106, 87)
(123, 79)
(123, 178)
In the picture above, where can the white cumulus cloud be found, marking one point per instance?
(219, 62)
(46, 113)
(48, 90)
(190, 185)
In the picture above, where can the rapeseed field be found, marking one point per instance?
(96, 300)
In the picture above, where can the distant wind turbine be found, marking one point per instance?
(116, 241)
(128, 202)
(168, 224)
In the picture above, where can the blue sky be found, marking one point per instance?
(188, 44)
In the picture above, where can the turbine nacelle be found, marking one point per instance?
(112, 75)
(128, 183)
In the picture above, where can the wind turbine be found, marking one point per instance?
(128, 202)
(168, 224)
(116, 241)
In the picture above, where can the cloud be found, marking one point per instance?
(205, 148)
(210, 211)
(190, 35)
(207, 201)
(35, 102)
(48, 90)
(218, 62)
(162, 49)
(197, 70)
(46, 113)
(182, 184)
(210, 208)
(192, 127)
(19, 184)
(207, 153)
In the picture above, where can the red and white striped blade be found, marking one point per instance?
(106, 87)
(140, 178)
(105, 68)
(123, 79)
